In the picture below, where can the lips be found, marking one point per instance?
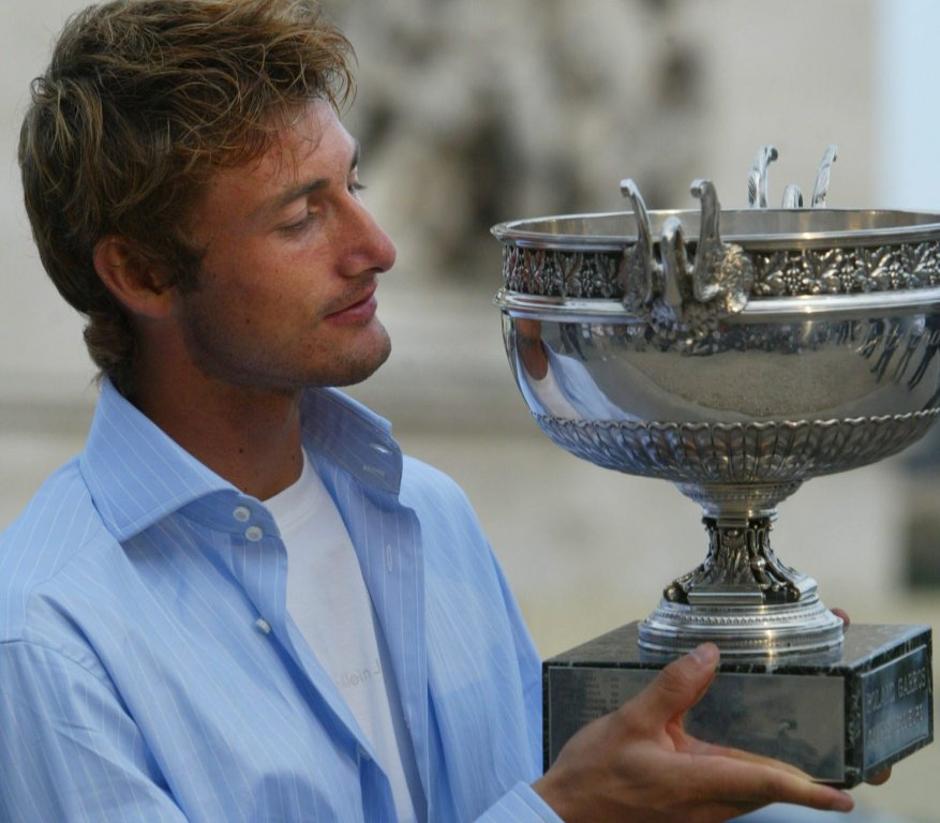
(357, 311)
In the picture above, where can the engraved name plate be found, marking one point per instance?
(895, 706)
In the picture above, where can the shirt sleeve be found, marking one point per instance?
(68, 749)
(520, 805)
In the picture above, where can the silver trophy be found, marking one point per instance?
(738, 353)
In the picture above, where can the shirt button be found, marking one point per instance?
(254, 534)
(242, 514)
(263, 626)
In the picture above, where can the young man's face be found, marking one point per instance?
(286, 289)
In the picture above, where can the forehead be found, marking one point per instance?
(314, 136)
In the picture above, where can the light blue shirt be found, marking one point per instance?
(149, 670)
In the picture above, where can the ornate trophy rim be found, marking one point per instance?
(608, 310)
(753, 229)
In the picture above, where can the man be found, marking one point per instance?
(241, 602)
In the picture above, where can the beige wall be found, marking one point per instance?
(40, 350)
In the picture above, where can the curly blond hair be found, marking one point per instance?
(142, 101)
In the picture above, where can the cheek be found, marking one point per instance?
(268, 283)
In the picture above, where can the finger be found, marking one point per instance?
(730, 780)
(882, 777)
(843, 616)
(676, 688)
(699, 747)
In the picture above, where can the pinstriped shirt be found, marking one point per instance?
(149, 670)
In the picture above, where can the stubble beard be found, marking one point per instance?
(222, 354)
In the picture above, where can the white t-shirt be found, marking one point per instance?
(329, 603)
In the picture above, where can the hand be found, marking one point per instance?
(882, 776)
(638, 763)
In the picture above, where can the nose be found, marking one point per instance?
(371, 250)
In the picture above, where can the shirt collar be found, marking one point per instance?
(352, 436)
(137, 474)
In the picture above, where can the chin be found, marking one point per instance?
(354, 368)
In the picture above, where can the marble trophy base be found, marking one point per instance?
(841, 718)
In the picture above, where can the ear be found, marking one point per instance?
(138, 284)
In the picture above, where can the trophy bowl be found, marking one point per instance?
(735, 353)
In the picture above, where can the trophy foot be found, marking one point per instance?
(743, 598)
(804, 628)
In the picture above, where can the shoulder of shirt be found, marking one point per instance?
(442, 506)
(57, 526)
(422, 480)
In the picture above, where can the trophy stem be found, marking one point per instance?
(740, 567)
(742, 596)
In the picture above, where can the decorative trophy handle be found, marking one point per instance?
(821, 188)
(792, 195)
(757, 179)
(642, 276)
(723, 273)
(677, 294)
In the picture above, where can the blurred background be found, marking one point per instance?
(475, 112)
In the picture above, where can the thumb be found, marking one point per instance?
(679, 686)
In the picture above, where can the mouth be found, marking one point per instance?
(358, 311)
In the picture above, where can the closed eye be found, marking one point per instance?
(300, 225)
(354, 187)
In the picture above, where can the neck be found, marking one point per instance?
(249, 436)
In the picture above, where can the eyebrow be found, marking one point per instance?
(307, 188)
